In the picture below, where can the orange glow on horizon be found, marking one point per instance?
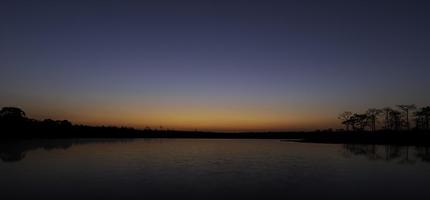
(181, 115)
(208, 121)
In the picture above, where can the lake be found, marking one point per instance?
(210, 169)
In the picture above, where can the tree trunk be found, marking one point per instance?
(407, 119)
(427, 122)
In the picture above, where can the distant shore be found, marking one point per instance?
(14, 124)
(379, 137)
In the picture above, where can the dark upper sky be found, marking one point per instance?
(218, 65)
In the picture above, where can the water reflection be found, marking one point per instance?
(210, 169)
(392, 153)
(16, 150)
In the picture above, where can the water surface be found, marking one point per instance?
(211, 169)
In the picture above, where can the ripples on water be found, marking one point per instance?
(211, 169)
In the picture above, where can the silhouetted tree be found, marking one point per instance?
(423, 118)
(387, 111)
(65, 123)
(426, 112)
(419, 120)
(12, 113)
(360, 121)
(392, 119)
(406, 109)
(345, 117)
(373, 114)
(395, 120)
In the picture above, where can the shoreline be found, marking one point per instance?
(380, 137)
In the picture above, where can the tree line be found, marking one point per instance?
(14, 124)
(403, 117)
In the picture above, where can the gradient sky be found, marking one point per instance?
(212, 65)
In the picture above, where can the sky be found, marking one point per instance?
(212, 65)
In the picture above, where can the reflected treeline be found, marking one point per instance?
(393, 153)
(15, 150)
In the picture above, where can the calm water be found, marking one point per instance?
(211, 169)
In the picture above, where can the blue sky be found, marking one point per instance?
(215, 65)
